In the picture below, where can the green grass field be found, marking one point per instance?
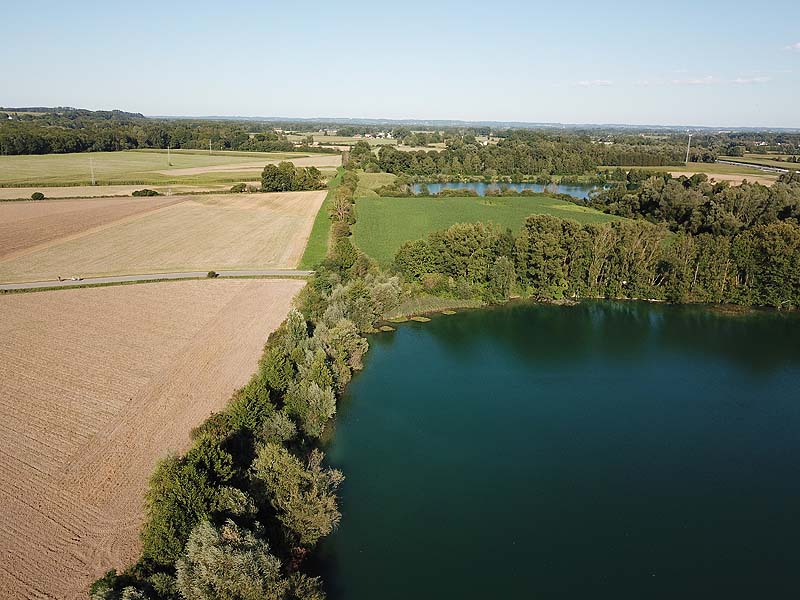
(763, 159)
(369, 182)
(137, 167)
(317, 246)
(384, 224)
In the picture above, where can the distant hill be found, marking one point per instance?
(496, 125)
(119, 115)
(71, 111)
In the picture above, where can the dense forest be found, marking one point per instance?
(71, 130)
(695, 205)
(554, 259)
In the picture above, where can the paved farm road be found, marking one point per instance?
(152, 277)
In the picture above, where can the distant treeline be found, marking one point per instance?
(695, 205)
(108, 131)
(521, 154)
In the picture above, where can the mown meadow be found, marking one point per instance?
(384, 224)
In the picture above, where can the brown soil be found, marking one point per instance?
(24, 225)
(95, 386)
(195, 233)
(734, 179)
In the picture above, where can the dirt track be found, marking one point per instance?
(95, 386)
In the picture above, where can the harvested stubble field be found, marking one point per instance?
(716, 171)
(25, 225)
(95, 386)
(732, 178)
(146, 167)
(190, 233)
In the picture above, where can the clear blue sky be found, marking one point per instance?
(700, 63)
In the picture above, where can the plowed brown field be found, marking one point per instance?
(24, 225)
(187, 233)
(95, 386)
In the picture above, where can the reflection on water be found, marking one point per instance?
(611, 450)
(576, 191)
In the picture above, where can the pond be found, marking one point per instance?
(575, 190)
(607, 450)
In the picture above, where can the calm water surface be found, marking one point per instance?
(609, 450)
(576, 191)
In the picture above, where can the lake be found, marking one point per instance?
(607, 450)
(576, 191)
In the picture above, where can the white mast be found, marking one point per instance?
(689, 145)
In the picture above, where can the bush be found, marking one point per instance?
(145, 192)
(37, 196)
(228, 562)
(303, 496)
(339, 230)
(285, 177)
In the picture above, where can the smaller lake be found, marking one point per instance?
(575, 190)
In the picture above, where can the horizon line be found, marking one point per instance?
(431, 121)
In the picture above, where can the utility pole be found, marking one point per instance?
(169, 160)
(91, 168)
(209, 147)
(689, 145)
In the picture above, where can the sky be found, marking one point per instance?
(720, 64)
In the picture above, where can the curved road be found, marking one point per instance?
(33, 285)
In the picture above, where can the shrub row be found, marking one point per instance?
(237, 515)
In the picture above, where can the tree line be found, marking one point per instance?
(555, 259)
(70, 130)
(518, 156)
(695, 205)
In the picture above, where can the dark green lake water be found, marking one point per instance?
(608, 450)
